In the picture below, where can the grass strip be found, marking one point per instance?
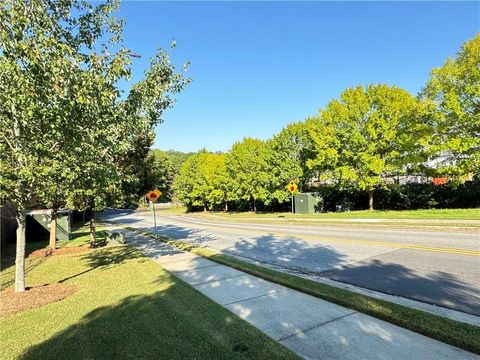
(127, 307)
(422, 214)
(449, 331)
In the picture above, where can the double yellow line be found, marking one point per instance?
(350, 241)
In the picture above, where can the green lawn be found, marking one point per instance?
(80, 236)
(167, 210)
(429, 214)
(453, 332)
(126, 307)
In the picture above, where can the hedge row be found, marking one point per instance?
(394, 197)
(405, 197)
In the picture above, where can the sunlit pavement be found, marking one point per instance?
(311, 327)
(432, 267)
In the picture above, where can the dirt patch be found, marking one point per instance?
(60, 251)
(12, 302)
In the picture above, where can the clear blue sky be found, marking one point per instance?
(257, 66)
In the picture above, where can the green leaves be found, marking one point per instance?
(454, 90)
(66, 135)
(366, 135)
(203, 181)
(247, 167)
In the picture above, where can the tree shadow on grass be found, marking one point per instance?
(29, 266)
(8, 251)
(105, 258)
(175, 323)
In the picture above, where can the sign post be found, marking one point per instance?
(154, 218)
(292, 187)
(153, 196)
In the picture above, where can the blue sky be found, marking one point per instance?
(258, 66)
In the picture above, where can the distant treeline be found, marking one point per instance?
(350, 150)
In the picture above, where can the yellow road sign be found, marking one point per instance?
(292, 187)
(154, 195)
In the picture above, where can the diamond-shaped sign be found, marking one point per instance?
(292, 187)
(154, 195)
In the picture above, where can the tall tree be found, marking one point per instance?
(189, 184)
(162, 173)
(177, 158)
(44, 77)
(222, 183)
(64, 128)
(247, 165)
(203, 181)
(369, 133)
(455, 90)
(287, 156)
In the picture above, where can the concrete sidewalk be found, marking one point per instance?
(311, 327)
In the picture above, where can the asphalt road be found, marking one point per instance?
(433, 267)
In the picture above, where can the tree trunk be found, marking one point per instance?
(226, 206)
(204, 208)
(83, 217)
(254, 206)
(370, 200)
(53, 230)
(20, 254)
(93, 234)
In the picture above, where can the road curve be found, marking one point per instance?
(433, 267)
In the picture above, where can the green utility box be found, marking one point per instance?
(307, 203)
(38, 224)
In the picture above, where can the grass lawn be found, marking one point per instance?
(125, 307)
(167, 209)
(453, 332)
(80, 236)
(428, 214)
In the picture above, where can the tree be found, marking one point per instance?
(42, 83)
(247, 166)
(287, 155)
(369, 133)
(185, 182)
(177, 158)
(64, 127)
(162, 173)
(203, 181)
(222, 182)
(455, 90)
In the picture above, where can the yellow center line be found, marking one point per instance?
(351, 241)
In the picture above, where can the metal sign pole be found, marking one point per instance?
(292, 204)
(154, 218)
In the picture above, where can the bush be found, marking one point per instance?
(405, 197)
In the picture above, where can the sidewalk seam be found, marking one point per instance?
(165, 266)
(208, 282)
(316, 326)
(254, 297)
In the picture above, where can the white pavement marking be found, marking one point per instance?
(311, 327)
